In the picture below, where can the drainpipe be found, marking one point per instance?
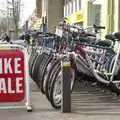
(46, 20)
(110, 16)
(90, 6)
(119, 15)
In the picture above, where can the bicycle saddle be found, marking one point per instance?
(104, 43)
(117, 35)
(91, 39)
(111, 37)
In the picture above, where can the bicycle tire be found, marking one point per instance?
(32, 64)
(31, 58)
(53, 82)
(46, 74)
(36, 66)
(43, 73)
(40, 69)
(50, 73)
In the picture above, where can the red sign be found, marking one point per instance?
(12, 83)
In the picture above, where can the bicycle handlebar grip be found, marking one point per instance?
(76, 27)
(90, 34)
(98, 27)
(37, 33)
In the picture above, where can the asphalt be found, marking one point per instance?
(87, 104)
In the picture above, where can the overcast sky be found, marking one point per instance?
(27, 8)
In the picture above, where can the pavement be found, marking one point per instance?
(87, 104)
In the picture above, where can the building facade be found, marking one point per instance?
(82, 12)
(73, 11)
(51, 12)
(109, 14)
(88, 12)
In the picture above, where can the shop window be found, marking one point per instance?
(94, 14)
(74, 6)
(64, 11)
(67, 9)
(65, 2)
(70, 8)
(97, 14)
(78, 5)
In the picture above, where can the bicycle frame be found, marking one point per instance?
(94, 71)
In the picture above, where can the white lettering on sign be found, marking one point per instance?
(6, 65)
(19, 85)
(6, 85)
(9, 86)
(17, 65)
(0, 66)
(2, 85)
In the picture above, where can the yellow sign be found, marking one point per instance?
(78, 17)
(75, 17)
(68, 19)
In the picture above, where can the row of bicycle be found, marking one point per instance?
(89, 56)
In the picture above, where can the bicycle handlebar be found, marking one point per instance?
(90, 34)
(98, 27)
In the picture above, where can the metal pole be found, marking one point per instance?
(47, 3)
(118, 15)
(7, 18)
(66, 87)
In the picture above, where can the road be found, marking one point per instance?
(87, 104)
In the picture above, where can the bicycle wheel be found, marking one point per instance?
(44, 72)
(32, 64)
(48, 77)
(36, 66)
(31, 56)
(56, 86)
(115, 87)
(40, 68)
(31, 59)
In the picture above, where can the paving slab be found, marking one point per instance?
(86, 105)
